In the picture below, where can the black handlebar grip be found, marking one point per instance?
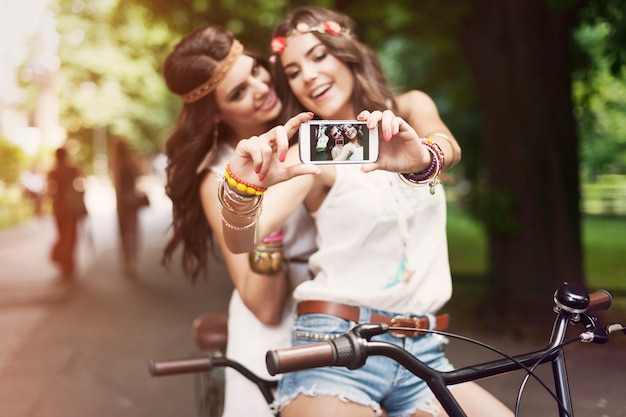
(298, 358)
(599, 300)
(180, 366)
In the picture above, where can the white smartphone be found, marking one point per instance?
(338, 142)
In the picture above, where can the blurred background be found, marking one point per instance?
(535, 92)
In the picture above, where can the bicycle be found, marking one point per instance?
(211, 336)
(572, 304)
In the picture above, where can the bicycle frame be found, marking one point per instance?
(439, 382)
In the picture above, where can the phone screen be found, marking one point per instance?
(338, 141)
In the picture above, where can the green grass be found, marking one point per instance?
(467, 245)
(604, 246)
(603, 240)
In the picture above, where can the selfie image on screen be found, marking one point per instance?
(339, 142)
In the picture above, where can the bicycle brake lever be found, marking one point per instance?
(594, 333)
(615, 328)
(368, 330)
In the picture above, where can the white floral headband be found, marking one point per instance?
(329, 26)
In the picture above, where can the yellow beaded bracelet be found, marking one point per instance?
(240, 185)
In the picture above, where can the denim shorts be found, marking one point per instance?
(381, 382)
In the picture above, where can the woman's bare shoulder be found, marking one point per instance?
(411, 99)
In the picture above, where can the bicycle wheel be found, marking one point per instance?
(210, 393)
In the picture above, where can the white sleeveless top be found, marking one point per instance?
(371, 228)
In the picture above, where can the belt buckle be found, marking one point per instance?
(405, 321)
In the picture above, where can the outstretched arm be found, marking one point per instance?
(400, 147)
(259, 163)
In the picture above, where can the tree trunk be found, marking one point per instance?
(518, 54)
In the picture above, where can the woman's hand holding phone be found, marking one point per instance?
(259, 160)
(400, 149)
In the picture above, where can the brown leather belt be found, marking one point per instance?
(352, 313)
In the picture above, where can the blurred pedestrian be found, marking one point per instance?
(126, 168)
(66, 187)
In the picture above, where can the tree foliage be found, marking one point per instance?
(13, 162)
(600, 96)
(110, 72)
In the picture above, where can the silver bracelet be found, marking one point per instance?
(252, 211)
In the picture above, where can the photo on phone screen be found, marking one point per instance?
(337, 141)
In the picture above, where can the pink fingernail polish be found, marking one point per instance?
(261, 177)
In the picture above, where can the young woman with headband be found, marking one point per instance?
(228, 95)
(381, 227)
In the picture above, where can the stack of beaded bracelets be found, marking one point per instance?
(430, 175)
(242, 185)
(226, 194)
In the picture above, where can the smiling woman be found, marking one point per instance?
(381, 226)
(228, 95)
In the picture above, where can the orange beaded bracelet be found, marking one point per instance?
(240, 185)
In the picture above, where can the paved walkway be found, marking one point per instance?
(81, 349)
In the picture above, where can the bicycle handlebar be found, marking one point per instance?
(180, 366)
(598, 301)
(298, 358)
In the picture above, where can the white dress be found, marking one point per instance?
(248, 338)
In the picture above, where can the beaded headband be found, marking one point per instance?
(218, 75)
(329, 26)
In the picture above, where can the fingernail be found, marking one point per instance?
(281, 156)
(261, 177)
(387, 135)
(257, 170)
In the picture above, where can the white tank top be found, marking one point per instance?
(371, 229)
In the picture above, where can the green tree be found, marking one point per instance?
(110, 72)
(13, 162)
(600, 96)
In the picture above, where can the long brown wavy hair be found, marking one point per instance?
(371, 91)
(190, 64)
